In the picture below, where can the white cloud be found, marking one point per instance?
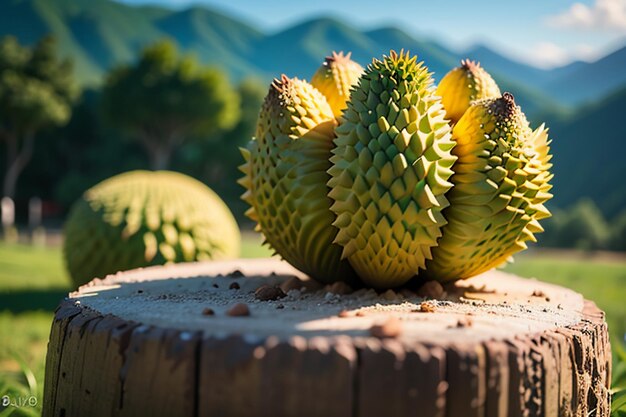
(547, 54)
(605, 15)
(550, 55)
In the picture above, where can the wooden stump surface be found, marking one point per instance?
(161, 342)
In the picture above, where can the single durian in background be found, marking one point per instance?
(464, 84)
(390, 171)
(143, 218)
(285, 179)
(501, 182)
(334, 79)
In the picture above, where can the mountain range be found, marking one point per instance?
(579, 100)
(99, 34)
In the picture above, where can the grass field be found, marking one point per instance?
(33, 280)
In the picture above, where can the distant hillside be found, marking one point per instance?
(99, 34)
(582, 82)
(588, 149)
(574, 84)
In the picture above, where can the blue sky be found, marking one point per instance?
(545, 33)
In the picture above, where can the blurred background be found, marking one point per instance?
(79, 103)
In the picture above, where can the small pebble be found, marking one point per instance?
(538, 293)
(267, 293)
(430, 289)
(236, 273)
(339, 287)
(280, 307)
(389, 295)
(344, 314)
(208, 312)
(139, 291)
(360, 313)
(464, 322)
(293, 294)
(234, 286)
(292, 283)
(406, 293)
(215, 286)
(392, 327)
(426, 307)
(238, 310)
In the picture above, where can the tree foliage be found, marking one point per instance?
(166, 99)
(36, 92)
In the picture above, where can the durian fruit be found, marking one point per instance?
(464, 84)
(285, 179)
(390, 171)
(143, 218)
(335, 78)
(501, 182)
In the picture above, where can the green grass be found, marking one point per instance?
(33, 280)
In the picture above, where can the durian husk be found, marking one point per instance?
(285, 179)
(143, 218)
(390, 171)
(501, 182)
(464, 84)
(334, 79)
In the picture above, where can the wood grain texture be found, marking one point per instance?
(103, 364)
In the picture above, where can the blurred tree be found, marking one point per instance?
(216, 161)
(36, 92)
(165, 99)
(584, 227)
(618, 235)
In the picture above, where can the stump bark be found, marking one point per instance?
(165, 341)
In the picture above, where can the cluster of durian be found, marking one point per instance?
(143, 218)
(377, 175)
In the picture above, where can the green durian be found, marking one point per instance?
(143, 218)
(501, 182)
(390, 171)
(285, 178)
(464, 84)
(334, 79)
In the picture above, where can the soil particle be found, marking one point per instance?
(344, 314)
(208, 312)
(465, 322)
(538, 293)
(267, 293)
(426, 307)
(234, 286)
(238, 310)
(389, 295)
(340, 288)
(392, 327)
(431, 289)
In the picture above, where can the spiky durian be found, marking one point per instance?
(285, 178)
(464, 84)
(143, 218)
(501, 180)
(390, 172)
(335, 78)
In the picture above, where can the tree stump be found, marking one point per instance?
(167, 341)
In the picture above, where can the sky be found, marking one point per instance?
(544, 33)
